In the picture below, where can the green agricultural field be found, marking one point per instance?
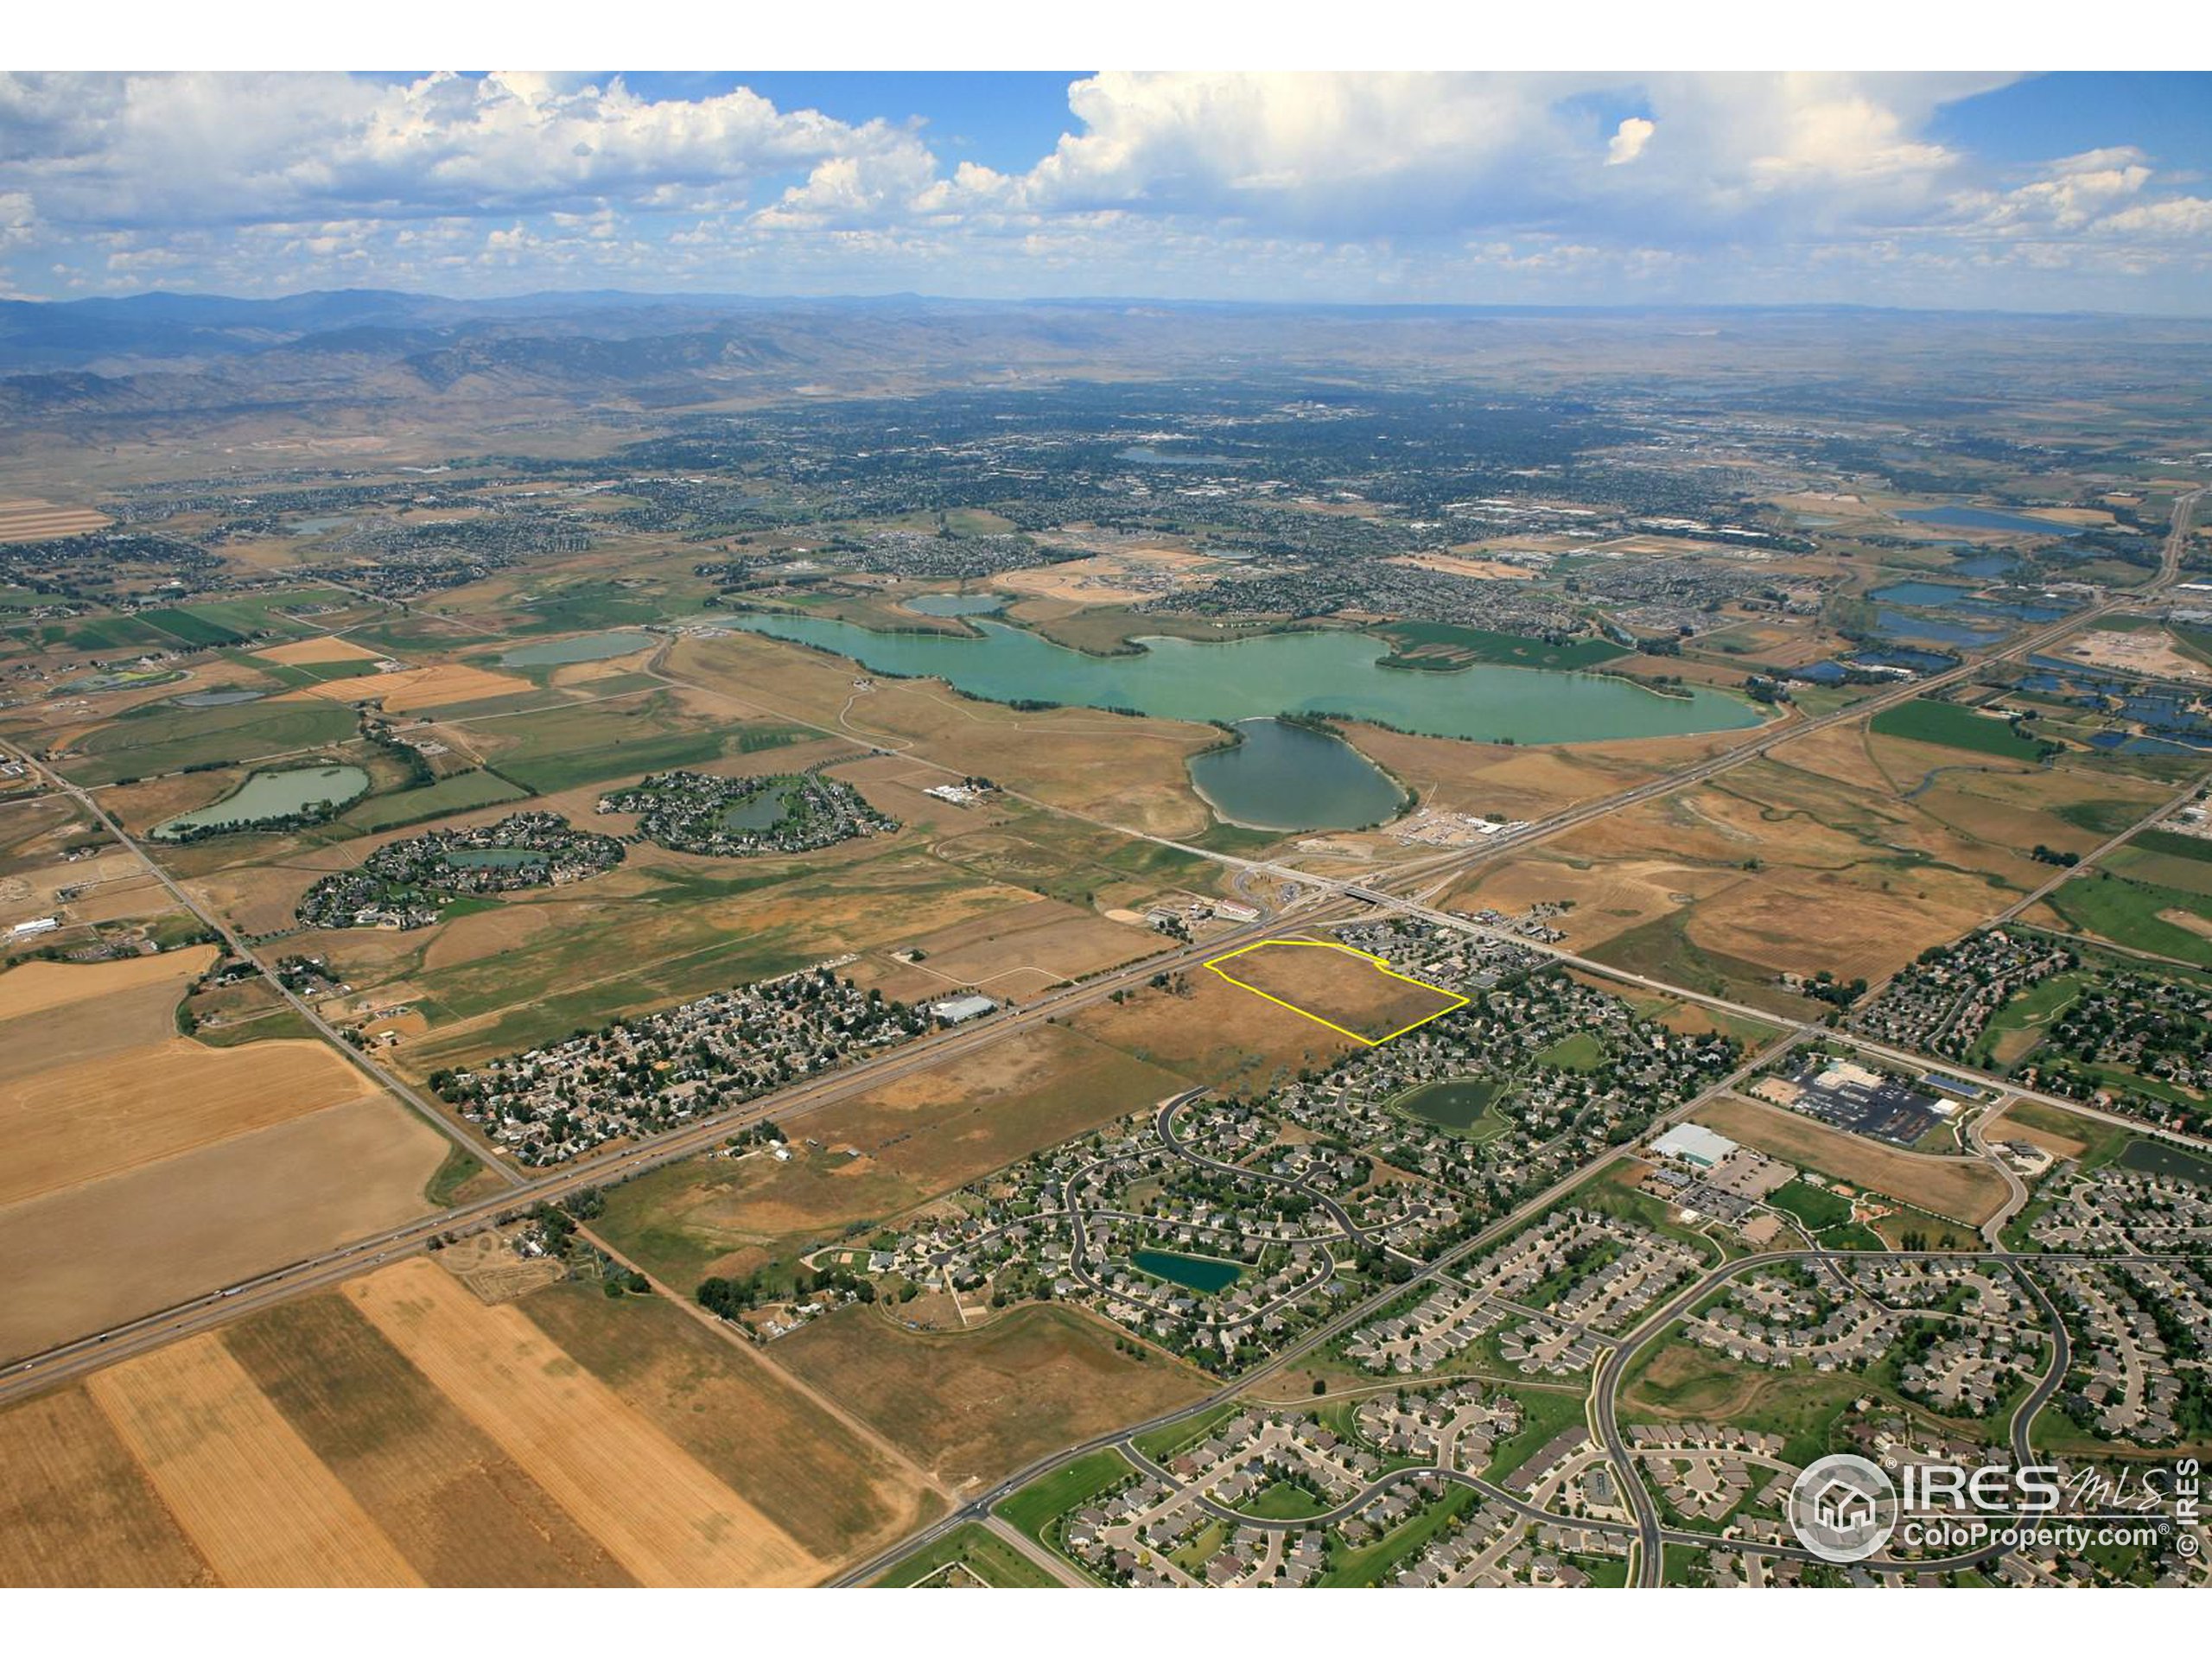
(1444, 646)
(2134, 913)
(458, 793)
(191, 627)
(162, 738)
(1926, 720)
(565, 748)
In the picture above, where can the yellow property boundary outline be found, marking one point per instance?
(1377, 962)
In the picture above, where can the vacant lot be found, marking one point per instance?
(974, 1405)
(1202, 1027)
(1960, 1189)
(1344, 990)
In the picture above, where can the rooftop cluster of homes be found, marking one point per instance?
(407, 884)
(1943, 1002)
(1554, 1291)
(650, 1073)
(2138, 1347)
(741, 817)
(1285, 1500)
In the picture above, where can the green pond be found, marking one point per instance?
(1207, 1274)
(1322, 672)
(761, 811)
(1459, 1103)
(267, 796)
(2158, 1158)
(584, 648)
(1285, 777)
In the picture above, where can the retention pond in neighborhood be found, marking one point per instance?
(1207, 1274)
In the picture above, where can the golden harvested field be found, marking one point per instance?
(77, 1509)
(1204, 1028)
(656, 1510)
(841, 1492)
(97, 1117)
(97, 1255)
(410, 689)
(1959, 1189)
(321, 648)
(259, 1506)
(974, 1405)
(1344, 989)
(37, 986)
(397, 1431)
(23, 519)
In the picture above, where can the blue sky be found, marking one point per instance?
(2061, 192)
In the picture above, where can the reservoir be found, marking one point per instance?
(1207, 1274)
(1285, 777)
(584, 648)
(222, 698)
(761, 811)
(1322, 672)
(1987, 518)
(266, 797)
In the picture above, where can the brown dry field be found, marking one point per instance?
(37, 986)
(147, 1238)
(76, 1511)
(1483, 569)
(2008, 1126)
(397, 1431)
(1527, 781)
(97, 1117)
(1119, 578)
(321, 648)
(411, 689)
(456, 1507)
(657, 1511)
(944, 1127)
(1044, 941)
(839, 1493)
(24, 519)
(1345, 988)
(261, 1509)
(1124, 769)
(1214, 1033)
(1851, 877)
(972, 1406)
(1960, 1189)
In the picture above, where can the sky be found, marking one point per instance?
(2070, 192)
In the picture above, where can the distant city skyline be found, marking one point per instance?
(1938, 190)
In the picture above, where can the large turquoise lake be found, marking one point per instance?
(1332, 672)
